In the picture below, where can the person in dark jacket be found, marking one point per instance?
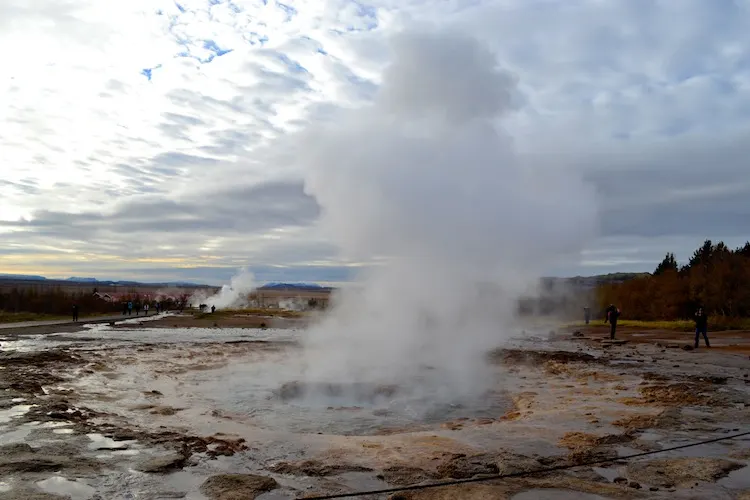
(701, 327)
(75, 312)
(613, 314)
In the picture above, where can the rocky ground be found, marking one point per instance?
(134, 413)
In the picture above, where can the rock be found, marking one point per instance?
(687, 347)
(577, 334)
(466, 467)
(167, 411)
(668, 472)
(405, 476)
(315, 468)
(162, 464)
(620, 480)
(123, 436)
(653, 488)
(15, 449)
(634, 485)
(32, 463)
(237, 486)
(511, 463)
(29, 494)
(589, 455)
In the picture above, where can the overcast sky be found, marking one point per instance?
(153, 140)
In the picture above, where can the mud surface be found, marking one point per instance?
(159, 412)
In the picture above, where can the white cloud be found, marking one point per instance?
(110, 104)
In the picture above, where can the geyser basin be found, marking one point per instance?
(263, 389)
(224, 380)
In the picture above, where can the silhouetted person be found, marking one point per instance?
(124, 308)
(137, 308)
(586, 315)
(613, 314)
(75, 312)
(213, 309)
(130, 308)
(701, 327)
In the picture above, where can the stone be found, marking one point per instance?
(404, 476)
(670, 472)
(164, 463)
(467, 467)
(237, 486)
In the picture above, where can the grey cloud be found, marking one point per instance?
(26, 186)
(690, 186)
(243, 210)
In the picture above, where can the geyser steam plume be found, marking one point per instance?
(424, 178)
(235, 294)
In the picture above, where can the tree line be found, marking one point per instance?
(716, 278)
(57, 302)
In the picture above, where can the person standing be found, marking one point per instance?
(613, 314)
(130, 308)
(75, 312)
(701, 327)
(145, 309)
(586, 314)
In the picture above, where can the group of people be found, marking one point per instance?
(127, 308)
(612, 314)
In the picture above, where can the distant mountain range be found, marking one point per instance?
(94, 281)
(578, 281)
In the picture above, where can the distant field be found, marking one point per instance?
(716, 324)
(6, 317)
(22, 317)
(228, 313)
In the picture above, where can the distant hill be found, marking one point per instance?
(592, 281)
(94, 281)
(28, 277)
(294, 286)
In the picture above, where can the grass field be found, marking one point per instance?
(6, 317)
(22, 317)
(714, 324)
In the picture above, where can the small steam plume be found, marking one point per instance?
(424, 178)
(233, 295)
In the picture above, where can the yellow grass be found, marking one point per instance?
(22, 317)
(714, 324)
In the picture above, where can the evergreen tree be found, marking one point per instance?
(668, 264)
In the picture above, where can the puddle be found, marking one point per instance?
(14, 412)
(99, 442)
(75, 490)
(54, 425)
(63, 431)
(556, 494)
(15, 436)
(737, 480)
